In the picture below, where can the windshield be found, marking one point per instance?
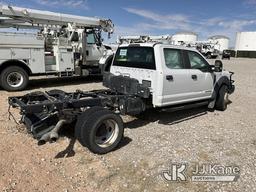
(135, 57)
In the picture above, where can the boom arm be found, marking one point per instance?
(143, 39)
(30, 18)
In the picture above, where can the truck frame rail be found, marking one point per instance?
(44, 113)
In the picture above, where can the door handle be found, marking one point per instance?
(169, 77)
(194, 77)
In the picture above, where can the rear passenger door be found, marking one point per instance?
(202, 78)
(176, 78)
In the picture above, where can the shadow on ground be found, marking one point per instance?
(69, 151)
(68, 131)
(166, 117)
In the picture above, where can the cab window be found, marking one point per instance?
(173, 59)
(135, 57)
(197, 61)
(75, 37)
(90, 39)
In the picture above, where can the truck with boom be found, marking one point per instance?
(142, 76)
(64, 45)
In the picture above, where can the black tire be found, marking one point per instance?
(56, 92)
(222, 98)
(82, 118)
(94, 134)
(14, 78)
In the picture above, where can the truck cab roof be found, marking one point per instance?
(158, 45)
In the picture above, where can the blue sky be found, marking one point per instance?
(157, 17)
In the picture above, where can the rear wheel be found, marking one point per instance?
(83, 118)
(222, 98)
(101, 131)
(14, 78)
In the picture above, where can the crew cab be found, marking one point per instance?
(174, 75)
(142, 76)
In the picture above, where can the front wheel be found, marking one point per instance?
(222, 98)
(14, 78)
(101, 131)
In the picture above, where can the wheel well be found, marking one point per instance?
(17, 63)
(221, 85)
(222, 81)
(108, 64)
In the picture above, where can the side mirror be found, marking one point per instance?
(218, 66)
(211, 68)
(98, 44)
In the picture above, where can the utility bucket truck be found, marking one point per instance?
(64, 45)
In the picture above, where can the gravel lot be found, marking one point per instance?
(191, 136)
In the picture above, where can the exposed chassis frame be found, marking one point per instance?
(42, 111)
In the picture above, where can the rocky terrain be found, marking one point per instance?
(149, 146)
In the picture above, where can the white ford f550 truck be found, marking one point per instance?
(142, 76)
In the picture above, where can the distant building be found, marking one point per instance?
(246, 44)
(221, 41)
(184, 37)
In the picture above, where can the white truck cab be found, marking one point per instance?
(174, 75)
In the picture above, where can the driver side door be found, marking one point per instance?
(93, 51)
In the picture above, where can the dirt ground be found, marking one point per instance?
(191, 136)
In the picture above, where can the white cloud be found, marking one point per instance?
(173, 21)
(157, 17)
(181, 22)
(65, 3)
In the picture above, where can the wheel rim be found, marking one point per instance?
(106, 133)
(15, 79)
